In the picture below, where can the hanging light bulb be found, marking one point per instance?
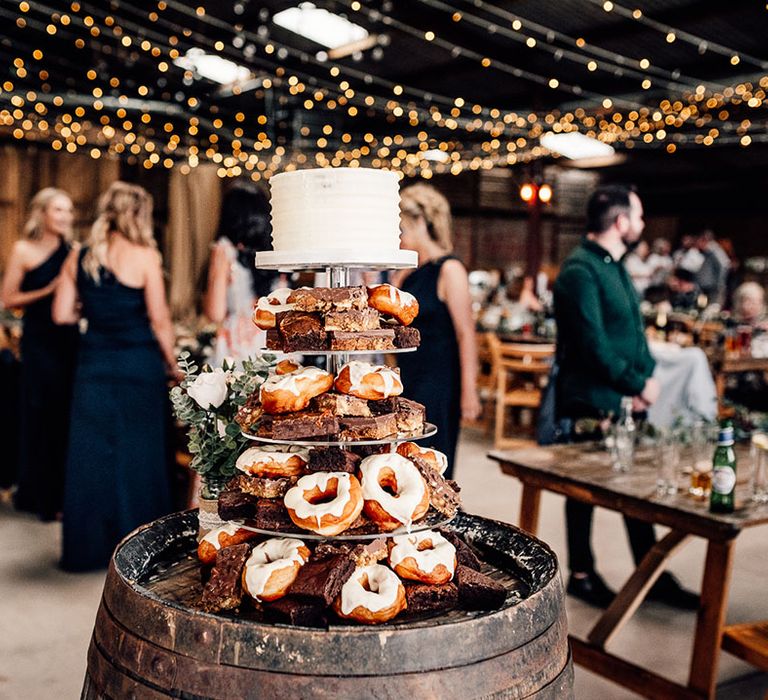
(545, 193)
(528, 192)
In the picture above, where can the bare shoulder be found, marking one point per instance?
(23, 251)
(453, 270)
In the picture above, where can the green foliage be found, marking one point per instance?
(214, 438)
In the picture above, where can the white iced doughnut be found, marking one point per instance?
(394, 491)
(423, 556)
(325, 502)
(272, 567)
(273, 461)
(367, 381)
(284, 393)
(373, 594)
(266, 308)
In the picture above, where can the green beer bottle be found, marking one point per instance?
(723, 471)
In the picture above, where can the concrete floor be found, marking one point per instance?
(47, 615)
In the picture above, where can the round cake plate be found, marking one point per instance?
(287, 261)
(430, 522)
(332, 353)
(429, 430)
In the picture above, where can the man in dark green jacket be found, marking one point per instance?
(603, 356)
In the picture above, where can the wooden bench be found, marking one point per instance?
(748, 641)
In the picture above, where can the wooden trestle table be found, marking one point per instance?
(583, 472)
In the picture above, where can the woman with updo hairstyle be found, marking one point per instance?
(442, 373)
(116, 477)
(47, 352)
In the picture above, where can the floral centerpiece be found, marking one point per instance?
(207, 400)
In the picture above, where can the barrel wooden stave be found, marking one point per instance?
(519, 651)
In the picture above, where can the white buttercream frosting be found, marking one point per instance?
(335, 209)
(277, 454)
(294, 497)
(441, 551)
(382, 591)
(410, 485)
(392, 385)
(276, 301)
(291, 382)
(270, 556)
(398, 296)
(229, 528)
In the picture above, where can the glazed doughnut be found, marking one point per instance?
(325, 502)
(367, 381)
(273, 461)
(394, 302)
(423, 556)
(224, 536)
(284, 393)
(394, 493)
(434, 458)
(372, 595)
(272, 567)
(266, 307)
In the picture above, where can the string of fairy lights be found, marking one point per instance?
(338, 114)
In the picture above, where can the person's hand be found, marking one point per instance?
(470, 405)
(638, 405)
(651, 391)
(51, 287)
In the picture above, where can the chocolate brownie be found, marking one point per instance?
(300, 330)
(332, 459)
(366, 320)
(363, 554)
(406, 337)
(250, 413)
(329, 299)
(236, 505)
(380, 339)
(271, 514)
(298, 425)
(224, 590)
(261, 486)
(274, 341)
(465, 554)
(423, 598)
(322, 580)
(341, 404)
(373, 428)
(478, 591)
(409, 414)
(443, 496)
(296, 611)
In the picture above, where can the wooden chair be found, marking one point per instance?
(521, 374)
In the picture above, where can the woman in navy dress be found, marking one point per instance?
(116, 476)
(47, 353)
(442, 373)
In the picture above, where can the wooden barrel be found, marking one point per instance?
(150, 642)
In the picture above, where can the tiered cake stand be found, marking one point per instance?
(152, 641)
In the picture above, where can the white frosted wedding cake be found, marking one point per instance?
(335, 215)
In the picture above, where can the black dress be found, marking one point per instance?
(48, 360)
(116, 470)
(432, 374)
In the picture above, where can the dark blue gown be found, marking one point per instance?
(116, 475)
(48, 361)
(432, 374)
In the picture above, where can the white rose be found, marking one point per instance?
(209, 389)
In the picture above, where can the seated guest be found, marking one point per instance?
(749, 305)
(638, 267)
(713, 273)
(683, 289)
(660, 261)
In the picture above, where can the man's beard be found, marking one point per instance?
(630, 245)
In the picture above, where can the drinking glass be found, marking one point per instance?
(622, 446)
(758, 480)
(667, 461)
(702, 449)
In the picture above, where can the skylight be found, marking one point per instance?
(213, 67)
(319, 25)
(576, 146)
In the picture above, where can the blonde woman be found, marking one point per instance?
(47, 350)
(116, 476)
(443, 373)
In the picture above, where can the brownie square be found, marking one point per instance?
(465, 555)
(381, 339)
(332, 459)
(373, 428)
(271, 514)
(443, 497)
(250, 413)
(407, 337)
(322, 580)
(363, 554)
(261, 486)
(478, 591)
(236, 505)
(341, 404)
(354, 320)
(296, 611)
(300, 330)
(274, 341)
(298, 426)
(224, 590)
(325, 299)
(410, 415)
(423, 598)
